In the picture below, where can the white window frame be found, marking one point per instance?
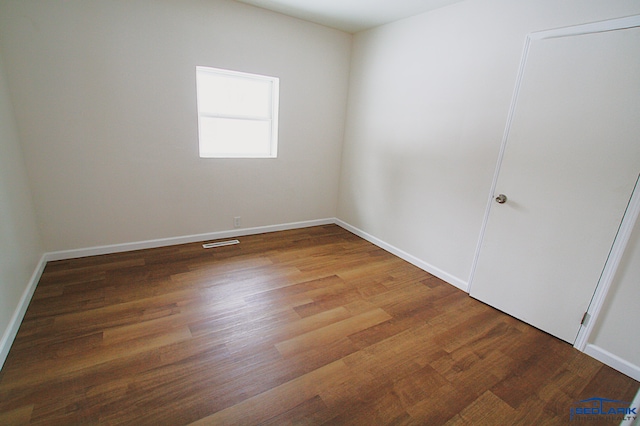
(271, 118)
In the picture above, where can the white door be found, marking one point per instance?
(571, 159)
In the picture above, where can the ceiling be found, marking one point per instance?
(350, 15)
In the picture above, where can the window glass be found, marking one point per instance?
(237, 113)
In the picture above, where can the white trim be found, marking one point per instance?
(271, 117)
(455, 281)
(503, 146)
(590, 28)
(16, 319)
(613, 361)
(18, 315)
(633, 208)
(162, 242)
(630, 421)
(610, 267)
(594, 27)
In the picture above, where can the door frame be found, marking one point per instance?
(633, 208)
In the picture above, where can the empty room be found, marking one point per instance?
(332, 212)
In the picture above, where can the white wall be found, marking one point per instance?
(104, 95)
(618, 323)
(20, 247)
(428, 103)
(105, 104)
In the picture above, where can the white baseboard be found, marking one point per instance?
(593, 351)
(613, 361)
(457, 282)
(629, 420)
(16, 319)
(163, 242)
(10, 333)
(18, 315)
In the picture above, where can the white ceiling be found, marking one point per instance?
(350, 15)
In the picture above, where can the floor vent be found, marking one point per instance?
(220, 244)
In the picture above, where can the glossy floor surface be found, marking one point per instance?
(309, 326)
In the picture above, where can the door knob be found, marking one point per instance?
(501, 199)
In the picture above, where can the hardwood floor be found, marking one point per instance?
(309, 326)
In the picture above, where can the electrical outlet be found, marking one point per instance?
(236, 222)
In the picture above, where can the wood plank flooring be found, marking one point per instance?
(310, 326)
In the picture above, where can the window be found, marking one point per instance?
(237, 114)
